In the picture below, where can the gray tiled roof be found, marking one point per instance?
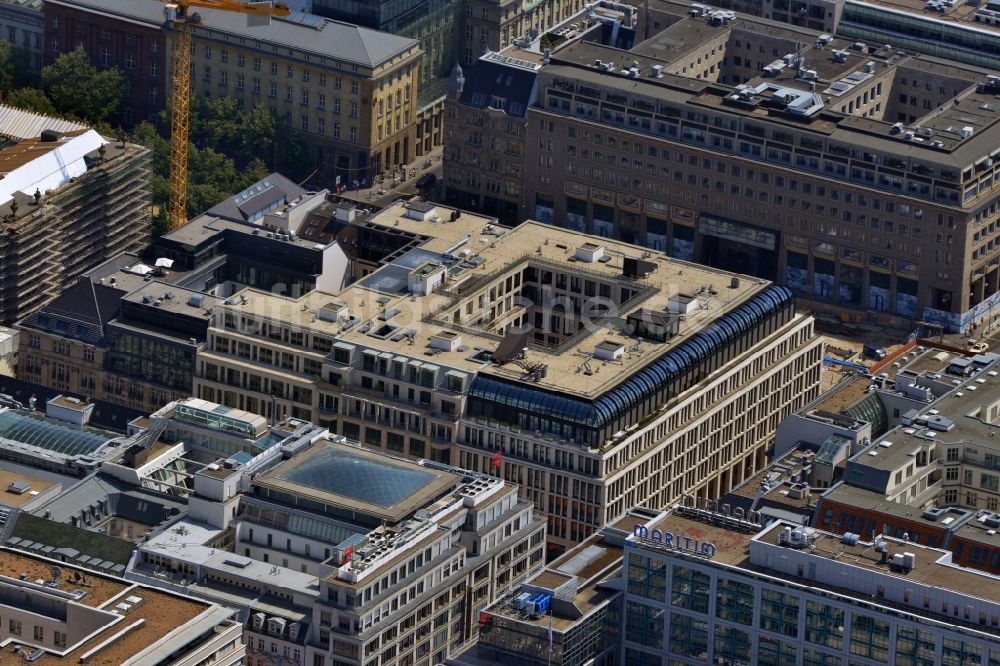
(332, 39)
(487, 79)
(141, 10)
(239, 207)
(122, 500)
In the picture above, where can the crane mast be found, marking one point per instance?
(181, 20)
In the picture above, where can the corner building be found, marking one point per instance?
(859, 175)
(349, 92)
(598, 375)
(794, 595)
(340, 556)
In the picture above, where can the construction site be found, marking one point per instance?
(54, 225)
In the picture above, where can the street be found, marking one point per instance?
(392, 187)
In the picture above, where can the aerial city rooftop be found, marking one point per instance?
(562, 333)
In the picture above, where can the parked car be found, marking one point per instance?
(977, 346)
(873, 352)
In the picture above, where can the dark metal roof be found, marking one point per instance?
(45, 532)
(258, 196)
(513, 87)
(80, 312)
(118, 499)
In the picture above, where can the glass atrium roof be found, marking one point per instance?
(390, 279)
(831, 447)
(47, 434)
(363, 479)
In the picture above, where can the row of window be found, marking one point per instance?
(591, 422)
(15, 627)
(826, 626)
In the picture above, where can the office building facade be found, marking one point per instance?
(349, 92)
(840, 178)
(706, 587)
(130, 329)
(670, 378)
(103, 343)
(343, 555)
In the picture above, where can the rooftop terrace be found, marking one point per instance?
(12, 483)
(964, 414)
(933, 566)
(700, 57)
(575, 579)
(850, 564)
(153, 617)
(385, 316)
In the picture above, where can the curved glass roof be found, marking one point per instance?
(646, 381)
(364, 479)
(309, 526)
(872, 410)
(44, 433)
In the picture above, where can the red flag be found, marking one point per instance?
(496, 459)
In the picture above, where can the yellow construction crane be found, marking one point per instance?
(181, 19)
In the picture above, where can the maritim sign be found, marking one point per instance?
(675, 541)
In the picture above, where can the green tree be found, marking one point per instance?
(219, 123)
(260, 130)
(160, 226)
(216, 123)
(212, 177)
(222, 154)
(295, 160)
(79, 89)
(15, 68)
(31, 99)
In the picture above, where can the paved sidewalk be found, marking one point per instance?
(393, 187)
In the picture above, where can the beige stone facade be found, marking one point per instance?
(878, 205)
(349, 92)
(492, 25)
(357, 120)
(401, 361)
(79, 367)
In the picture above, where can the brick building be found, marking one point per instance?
(114, 38)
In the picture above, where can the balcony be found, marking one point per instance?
(982, 464)
(933, 490)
